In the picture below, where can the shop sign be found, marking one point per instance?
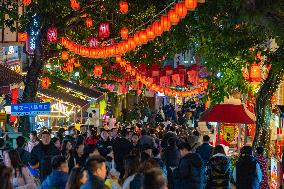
(30, 109)
(274, 173)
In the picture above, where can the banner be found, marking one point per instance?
(228, 132)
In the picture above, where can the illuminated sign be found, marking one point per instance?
(30, 109)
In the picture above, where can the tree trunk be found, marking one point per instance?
(263, 107)
(31, 82)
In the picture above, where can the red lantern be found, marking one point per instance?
(158, 30)
(23, 37)
(98, 70)
(89, 22)
(123, 5)
(104, 30)
(165, 23)
(143, 37)
(75, 5)
(150, 32)
(124, 33)
(181, 9)
(255, 73)
(165, 81)
(173, 17)
(26, 2)
(93, 42)
(69, 67)
(45, 82)
(64, 55)
(77, 64)
(176, 79)
(190, 4)
(52, 34)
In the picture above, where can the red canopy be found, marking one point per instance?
(228, 113)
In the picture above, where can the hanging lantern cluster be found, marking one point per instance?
(51, 34)
(75, 5)
(45, 82)
(23, 37)
(26, 2)
(89, 22)
(158, 88)
(140, 37)
(98, 70)
(124, 33)
(123, 6)
(70, 64)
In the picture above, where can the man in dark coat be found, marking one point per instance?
(42, 153)
(190, 172)
(103, 143)
(205, 150)
(24, 155)
(96, 173)
(247, 173)
(121, 148)
(59, 175)
(170, 134)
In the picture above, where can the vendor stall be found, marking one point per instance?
(234, 113)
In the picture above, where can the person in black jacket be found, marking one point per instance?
(218, 170)
(171, 133)
(104, 142)
(171, 158)
(24, 155)
(42, 153)
(190, 172)
(205, 150)
(97, 171)
(121, 148)
(247, 173)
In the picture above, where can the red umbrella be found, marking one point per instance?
(228, 113)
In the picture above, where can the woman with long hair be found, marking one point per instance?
(218, 170)
(21, 177)
(66, 151)
(77, 177)
(131, 166)
(6, 176)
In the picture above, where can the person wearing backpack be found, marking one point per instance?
(190, 172)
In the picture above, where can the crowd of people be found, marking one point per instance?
(128, 158)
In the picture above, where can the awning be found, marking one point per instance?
(64, 97)
(8, 76)
(84, 90)
(228, 113)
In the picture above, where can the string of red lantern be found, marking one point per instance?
(157, 88)
(140, 37)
